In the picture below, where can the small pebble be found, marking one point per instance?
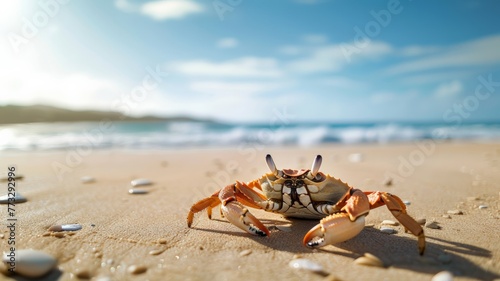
(369, 260)
(433, 225)
(306, 265)
(156, 252)
(284, 228)
(389, 222)
(137, 191)
(443, 276)
(32, 263)
(388, 182)
(245, 252)
(162, 241)
(355, 157)
(87, 179)
(455, 212)
(18, 198)
(2, 236)
(83, 274)
(137, 269)
(58, 234)
(388, 230)
(421, 221)
(447, 216)
(444, 258)
(141, 182)
(65, 227)
(407, 203)
(482, 207)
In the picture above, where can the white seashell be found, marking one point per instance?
(369, 260)
(141, 182)
(65, 227)
(407, 202)
(389, 222)
(32, 263)
(137, 191)
(483, 206)
(388, 230)
(443, 276)
(87, 179)
(18, 198)
(356, 157)
(305, 264)
(245, 252)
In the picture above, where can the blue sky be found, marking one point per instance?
(242, 60)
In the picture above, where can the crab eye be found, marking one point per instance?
(271, 165)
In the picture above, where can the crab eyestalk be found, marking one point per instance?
(271, 165)
(316, 165)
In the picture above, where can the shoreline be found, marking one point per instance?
(126, 228)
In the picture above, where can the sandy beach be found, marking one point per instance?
(120, 230)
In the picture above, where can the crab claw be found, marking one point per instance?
(242, 218)
(333, 229)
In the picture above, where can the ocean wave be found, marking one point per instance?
(44, 136)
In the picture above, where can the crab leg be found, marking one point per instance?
(333, 229)
(207, 203)
(398, 210)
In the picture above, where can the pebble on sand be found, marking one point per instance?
(388, 230)
(443, 276)
(433, 225)
(306, 265)
(389, 222)
(137, 191)
(421, 221)
(18, 198)
(156, 252)
(65, 227)
(407, 202)
(455, 212)
(137, 269)
(32, 263)
(482, 207)
(87, 179)
(140, 182)
(369, 260)
(245, 252)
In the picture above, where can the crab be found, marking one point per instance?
(309, 194)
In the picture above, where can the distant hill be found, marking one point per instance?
(12, 114)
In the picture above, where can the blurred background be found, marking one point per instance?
(184, 73)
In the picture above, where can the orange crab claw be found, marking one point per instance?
(333, 229)
(242, 218)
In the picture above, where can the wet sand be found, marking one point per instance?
(149, 230)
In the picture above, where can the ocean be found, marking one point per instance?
(166, 135)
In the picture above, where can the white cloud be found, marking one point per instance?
(412, 51)
(170, 9)
(232, 88)
(333, 57)
(450, 89)
(290, 50)
(226, 43)
(242, 67)
(477, 52)
(315, 39)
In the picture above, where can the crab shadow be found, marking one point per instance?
(394, 250)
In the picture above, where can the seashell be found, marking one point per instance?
(32, 263)
(482, 207)
(443, 276)
(407, 202)
(156, 252)
(455, 212)
(284, 228)
(87, 179)
(65, 227)
(137, 191)
(306, 265)
(17, 197)
(369, 260)
(137, 269)
(388, 230)
(389, 222)
(141, 182)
